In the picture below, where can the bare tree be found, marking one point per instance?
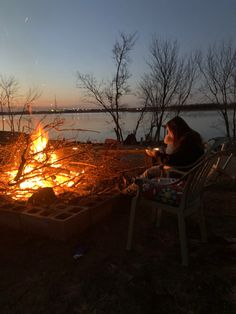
(140, 118)
(218, 69)
(148, 94)
(2, 105)
(9, 88)
(168, 82)
(108, 95)
(31, 96)
(188, 76)
(234, 105)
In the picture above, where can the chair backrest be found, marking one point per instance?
(196, 178)
(217, 143)
(227, 147)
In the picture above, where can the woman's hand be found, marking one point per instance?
(152, 152)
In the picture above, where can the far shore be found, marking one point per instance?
(184, 108)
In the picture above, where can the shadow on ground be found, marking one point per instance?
(38, 275)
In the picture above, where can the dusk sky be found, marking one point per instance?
(43, 43)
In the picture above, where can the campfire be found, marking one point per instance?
(70, 170)
(40, 166)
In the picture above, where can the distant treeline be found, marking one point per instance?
(192, 107)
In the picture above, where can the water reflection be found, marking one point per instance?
(207, 123)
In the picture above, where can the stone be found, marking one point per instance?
(43, 196)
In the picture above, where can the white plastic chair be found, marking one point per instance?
(222, 144)
(219, 144)
(191, 201)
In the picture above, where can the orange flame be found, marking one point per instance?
(38, 156)
(39, 143)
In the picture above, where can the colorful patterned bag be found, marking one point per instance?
(161, 190)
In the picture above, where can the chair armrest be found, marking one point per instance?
(170, 169)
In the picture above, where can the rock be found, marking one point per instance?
(130, 140)
(43, 196)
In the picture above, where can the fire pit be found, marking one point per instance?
(58, 188)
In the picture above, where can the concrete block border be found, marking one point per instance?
(57, 223)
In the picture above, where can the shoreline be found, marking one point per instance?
(185, 108)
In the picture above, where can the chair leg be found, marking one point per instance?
(202, 223)
(131, 223)
(158, 217)
(183, 239)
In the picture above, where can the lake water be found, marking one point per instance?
(207, 123)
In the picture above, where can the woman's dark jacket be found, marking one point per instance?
(188, 150)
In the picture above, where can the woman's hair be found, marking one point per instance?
(180, 128)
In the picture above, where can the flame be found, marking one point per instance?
(39, 144)
(39, 159)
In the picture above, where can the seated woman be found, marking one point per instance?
(184, 148)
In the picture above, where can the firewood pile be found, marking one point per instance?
(33, 162)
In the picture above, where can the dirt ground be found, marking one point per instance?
(38, 275)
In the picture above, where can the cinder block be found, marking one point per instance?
(34, 224)
(103, 209)
(62, 229)
(58, 223)
(63, 216)
(45, 213)
(10, 219)
(18, 208)
(34, 210)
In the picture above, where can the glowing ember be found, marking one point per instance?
(40, 169)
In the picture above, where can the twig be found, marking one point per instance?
(23, 161)
(82, 163)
